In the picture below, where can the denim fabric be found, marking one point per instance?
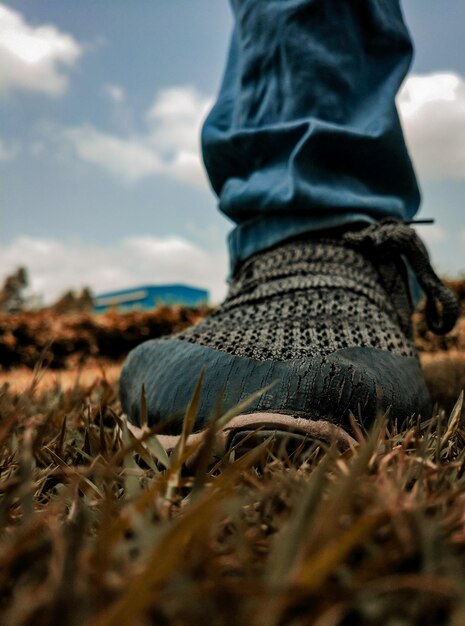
(305, 133)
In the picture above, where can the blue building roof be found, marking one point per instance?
(149, 296)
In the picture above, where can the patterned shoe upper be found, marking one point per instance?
(315, 296)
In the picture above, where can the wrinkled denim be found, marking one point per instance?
(305, 134)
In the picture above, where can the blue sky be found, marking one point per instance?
(100, 106)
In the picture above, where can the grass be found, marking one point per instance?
(101, 529)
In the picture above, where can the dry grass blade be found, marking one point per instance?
(163, 561)
(287, 549)
(206, 453)
(61, 440)
(138, 447)
(146, 438)
(316, 568)
(170, 550)
(80, 478)
(188, 422)
(157, 450)
(143, 412)
(179, 453)
(243, 405)
(26, 493)
(454, 421)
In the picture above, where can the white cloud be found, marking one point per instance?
(32, 58)
(175, 118)
(432, 108)
(419, 91)
(8, 153)
(115, 93)
(170, 145)
(128, 159)
(55, 267)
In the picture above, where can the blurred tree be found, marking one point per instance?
(11, 295)
(70, 302)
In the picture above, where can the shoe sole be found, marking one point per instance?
(286, 434)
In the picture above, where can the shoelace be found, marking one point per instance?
(391, 239)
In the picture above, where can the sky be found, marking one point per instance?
(101, 181)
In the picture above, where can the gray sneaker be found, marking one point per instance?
(327, 320)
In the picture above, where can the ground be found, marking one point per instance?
(98, 528)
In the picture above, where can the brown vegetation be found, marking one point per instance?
(98, 528)
(66, 340)
(455, 340)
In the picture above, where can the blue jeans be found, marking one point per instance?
(305, 134)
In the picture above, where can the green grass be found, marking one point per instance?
(100, 529)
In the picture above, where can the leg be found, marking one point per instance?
(305, 133)
(305, 151)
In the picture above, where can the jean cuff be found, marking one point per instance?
(259, 234)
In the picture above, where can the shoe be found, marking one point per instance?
(327, 320)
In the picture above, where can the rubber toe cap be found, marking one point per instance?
(364, 381)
